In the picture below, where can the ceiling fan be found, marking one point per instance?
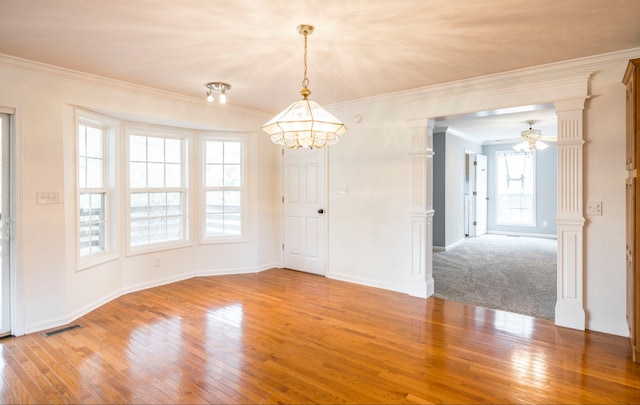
(532, 139)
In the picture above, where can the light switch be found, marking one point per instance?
(48, 197)
(343, 189)
(594, 208)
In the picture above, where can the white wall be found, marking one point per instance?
(50, 290)
(369, 234)
(368, 227)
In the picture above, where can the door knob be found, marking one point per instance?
(320, 211)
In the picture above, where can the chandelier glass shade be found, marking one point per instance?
(304, 123)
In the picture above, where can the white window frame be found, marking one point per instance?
(110, 129)
(499, 221)
(154, 132)
(216, 137)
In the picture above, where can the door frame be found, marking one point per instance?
(15, 208)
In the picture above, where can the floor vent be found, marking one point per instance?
(61, 330)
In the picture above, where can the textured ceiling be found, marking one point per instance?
(360, 48)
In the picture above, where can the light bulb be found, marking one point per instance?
(223, 97)
(209, 97)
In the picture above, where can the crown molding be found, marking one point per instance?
(26, 65)
(569, 72)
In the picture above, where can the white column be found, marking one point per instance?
(421, 210)
(569, 309)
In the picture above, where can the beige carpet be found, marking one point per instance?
(510, 273)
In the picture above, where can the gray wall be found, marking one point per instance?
(546, 191)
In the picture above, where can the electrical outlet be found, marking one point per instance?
(156, 262)
(594, 208)
(48, 197)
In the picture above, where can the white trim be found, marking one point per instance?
(137, 287)
(526, 80)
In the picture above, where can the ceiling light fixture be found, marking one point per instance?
(304, 123)
(531, 139)
(217, 87)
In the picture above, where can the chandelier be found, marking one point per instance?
(531, 139)
(304, 123)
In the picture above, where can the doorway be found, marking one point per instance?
(5, 224)
(304, 200)
(495, 132)
(475, 195)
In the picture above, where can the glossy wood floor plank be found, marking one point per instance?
(287, 337)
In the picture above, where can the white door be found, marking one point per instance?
(479, 195)
(5, 227)
(305, 224)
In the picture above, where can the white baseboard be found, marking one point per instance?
(75, 315)
(531, 235)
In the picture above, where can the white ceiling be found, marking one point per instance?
(360, 48)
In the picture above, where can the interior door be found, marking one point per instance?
(478, 201)
(305, 226)
(5, 227)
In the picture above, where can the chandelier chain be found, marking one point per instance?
(305, 80)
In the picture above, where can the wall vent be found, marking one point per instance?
(62, 330)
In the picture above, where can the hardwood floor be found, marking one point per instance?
(286, 337)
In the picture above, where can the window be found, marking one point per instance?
(515, 188)
(223, 188)
(157, 190)
(95, 180)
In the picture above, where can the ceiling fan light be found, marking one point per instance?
(541, 145)
(521, 146)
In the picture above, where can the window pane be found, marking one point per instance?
(156, 149)
(232, 175)
(214, 226)
(138, 175)
(173, 150)
(85, 240)
(232, 224)
(215, 201)
(232, 152)
(174, 204)
(92, 227)
(82, 140)
(94, 142)
(214, 176)
(157, 204)
(157, 229)
(173, 173)
(214, 152)
(137, 148)
(94, 173)
(82, 172)
(174, 228)
(232, 201)
(156, 174)
(139, 205)
(139, 231)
